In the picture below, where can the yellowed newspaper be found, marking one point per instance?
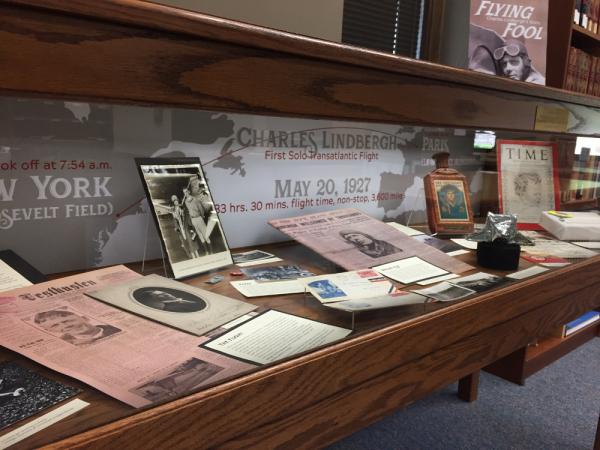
(128, 357)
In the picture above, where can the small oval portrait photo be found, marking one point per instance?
(170, 300)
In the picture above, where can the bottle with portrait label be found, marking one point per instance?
(447, 198)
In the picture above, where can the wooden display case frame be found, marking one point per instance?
(121, 51)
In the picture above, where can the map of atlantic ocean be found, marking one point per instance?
(258, 168)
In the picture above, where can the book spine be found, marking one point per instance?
(580, 325)
(571, 68)
(591, 75)
(585, 5)
(577, 12)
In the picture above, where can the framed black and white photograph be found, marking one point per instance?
(173, 303)
(185, 215)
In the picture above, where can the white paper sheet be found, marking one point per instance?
(457, 252)
(587, 244)
(404, 229)
(11, 279)
(409, 270)
(526, 273)
(275, 335)
(359, 284)
(252, 288)
(41, 423)
(561, 249)
(471, 245)
(258, 262)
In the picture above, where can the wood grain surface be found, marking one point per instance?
(126, 51)
(439, 344)
(121, 51)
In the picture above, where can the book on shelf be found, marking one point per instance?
(583, 72)
(587, 14)
(575, 325)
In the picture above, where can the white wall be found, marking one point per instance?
(316, 18)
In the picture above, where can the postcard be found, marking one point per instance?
(253, 288)
(404, 229)
(24, 393)
(277, 273)
(173, 303)
(445, 292)
(546, 261)
(399, 298)
(526, 273)
(479, 282)
(471, 245)
(409, 270)
(359, 284)
(274, 335)
(253, 258)
(561, 249)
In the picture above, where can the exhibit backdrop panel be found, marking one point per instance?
(68, 182)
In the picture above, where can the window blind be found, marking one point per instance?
(392, 26)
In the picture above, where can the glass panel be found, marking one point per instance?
(71, 197)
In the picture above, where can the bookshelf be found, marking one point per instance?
(563, 34)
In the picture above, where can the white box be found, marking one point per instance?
(583, 226)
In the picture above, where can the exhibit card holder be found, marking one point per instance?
(183, 209)
(528, 182)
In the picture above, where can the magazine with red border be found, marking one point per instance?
(528, 181)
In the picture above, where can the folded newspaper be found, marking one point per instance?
(130, 358)
(354, 240)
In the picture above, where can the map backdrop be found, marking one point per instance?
(70, 196)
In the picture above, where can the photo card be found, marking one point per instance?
(185, 215)
(24, 392)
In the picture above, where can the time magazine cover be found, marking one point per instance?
(527, 180)
(509, 38)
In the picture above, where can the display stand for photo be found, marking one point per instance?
(191, 235)
(162, 254)
(414, 208)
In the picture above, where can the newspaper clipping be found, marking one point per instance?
(129, 358)
(354, 240)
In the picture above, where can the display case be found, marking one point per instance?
(262, 109)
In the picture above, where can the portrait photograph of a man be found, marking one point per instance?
(166, 299)
(173, 303)
(73, 327)
(451, 200)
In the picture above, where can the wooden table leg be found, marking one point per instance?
(467, 387)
